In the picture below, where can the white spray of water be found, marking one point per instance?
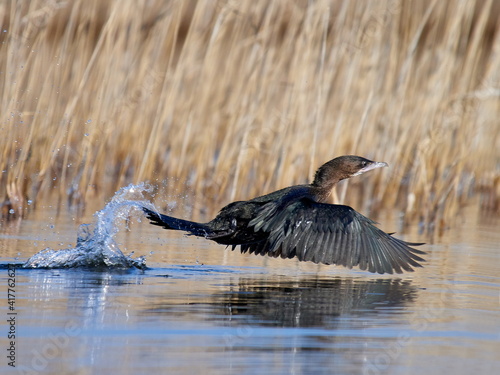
(95, 245)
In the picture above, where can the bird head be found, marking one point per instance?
(343, 167)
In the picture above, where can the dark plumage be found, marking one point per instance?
(296, 222)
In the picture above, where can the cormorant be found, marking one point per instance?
(297, 222)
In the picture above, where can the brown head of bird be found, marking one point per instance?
(338, 169)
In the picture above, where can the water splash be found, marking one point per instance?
(95, 244)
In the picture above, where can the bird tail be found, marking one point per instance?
(169, 222)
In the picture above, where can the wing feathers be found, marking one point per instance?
(329, 234)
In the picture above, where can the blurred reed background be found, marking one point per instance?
(232, 99)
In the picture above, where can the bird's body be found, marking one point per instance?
(297, 222)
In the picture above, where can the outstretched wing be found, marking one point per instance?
(330, 234)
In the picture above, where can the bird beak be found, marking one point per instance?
(371, 166)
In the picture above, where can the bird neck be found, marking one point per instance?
(323, 192)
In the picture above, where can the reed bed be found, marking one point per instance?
(225, 100)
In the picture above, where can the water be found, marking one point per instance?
(184, 305)
(95, 244)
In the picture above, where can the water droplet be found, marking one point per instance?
(11, 211)
(29, 202)
(55, 178)
(86, 134)
(89, 121)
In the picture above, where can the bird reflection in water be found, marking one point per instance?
(313, 302)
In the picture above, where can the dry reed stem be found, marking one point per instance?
(234, 99)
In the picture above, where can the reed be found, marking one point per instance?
(234, 99)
